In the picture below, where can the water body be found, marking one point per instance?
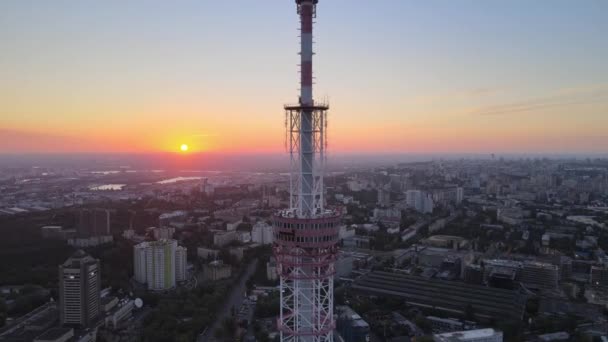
(178, 179)
(107, 187)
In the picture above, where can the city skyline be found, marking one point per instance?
(441, 77)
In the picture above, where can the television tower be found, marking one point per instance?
(306, 234)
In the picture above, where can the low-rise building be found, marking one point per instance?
(443, 325)
(344, 264)
(221, 239)
(599, 276)
(119, 313)
(479, 335)
(556, 336)
(84, 242)
(262, 233)
(216, 270)
(160, 233)
(350, 325)
(539, 275)
(271, 270)
(207, 253)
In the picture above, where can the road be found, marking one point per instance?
(235, 299)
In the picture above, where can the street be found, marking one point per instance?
(235, 299)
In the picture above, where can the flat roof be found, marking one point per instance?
(449, 296)
(467, 335)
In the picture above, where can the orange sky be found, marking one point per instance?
(104, 78)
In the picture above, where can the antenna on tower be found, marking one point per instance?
(306, 233)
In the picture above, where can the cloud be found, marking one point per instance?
(563, 97)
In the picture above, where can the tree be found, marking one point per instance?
(425, 339)
(469, 313)
(3, 312)
(249, 284)
(423, 323)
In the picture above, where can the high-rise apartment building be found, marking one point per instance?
(181, 254)
(79, 286)
(419, 201)
(384, 197)
(459, 195)
(159, 264)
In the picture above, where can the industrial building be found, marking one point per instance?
(446, 296)
(538, 275)
(479, 335)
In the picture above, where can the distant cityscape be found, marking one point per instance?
(444, 250)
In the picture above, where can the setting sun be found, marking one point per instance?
(184, 147)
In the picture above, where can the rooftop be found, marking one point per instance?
(467, 335)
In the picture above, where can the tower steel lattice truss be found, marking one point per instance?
(306, 234)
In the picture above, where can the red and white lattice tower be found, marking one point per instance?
(306, 234)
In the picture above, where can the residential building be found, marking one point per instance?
(419, 201)
(160, 233)
(207, 253)
(384, 197)
(216, 270)
(223, 238)
(159, 264)
(181, 264)
(262, 233)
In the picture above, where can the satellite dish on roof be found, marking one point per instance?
(139, 303)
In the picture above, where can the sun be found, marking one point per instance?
(184, 147)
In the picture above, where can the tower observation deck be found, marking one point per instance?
(306, 233)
